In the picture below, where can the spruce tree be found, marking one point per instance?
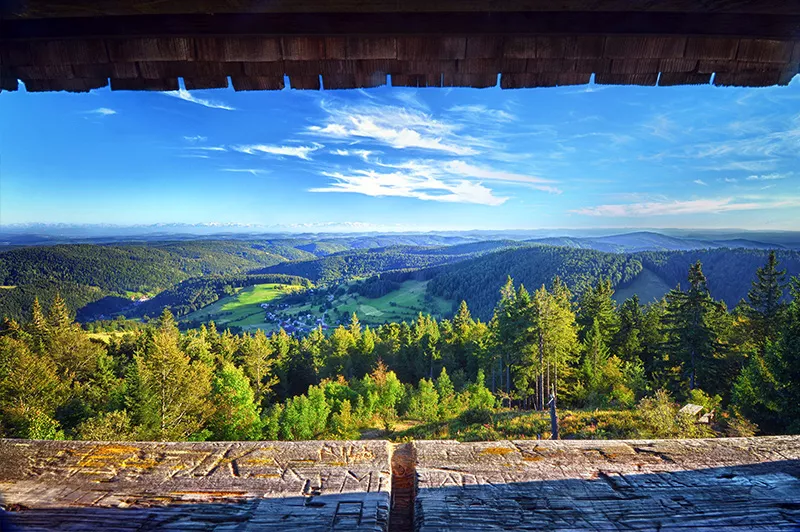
(765, 309)
(688, 323)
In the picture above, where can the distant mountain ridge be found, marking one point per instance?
(650, 241)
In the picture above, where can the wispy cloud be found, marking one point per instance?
(102, 111)
(252, 171)
(695, 206)
(364, 154)
(731, 180)
(398, 127)
(195, 138)
(207, 148)
(767, 177)
(482, 113)
(700, 182)
(301, 152)
(186, 96)
(408, 184)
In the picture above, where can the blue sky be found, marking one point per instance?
(406, 159)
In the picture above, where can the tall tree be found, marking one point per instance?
(765, 309)
(688, 322)
(171, 399)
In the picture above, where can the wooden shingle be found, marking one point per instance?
(48, 72)
(303, 48)
(431, 48)
(668, 79)
(650, 47)
(81, 52)
(305, 82)
(477, 81)
(371, 48)
(570, 46)
(106, 70)
(141, 84)
(748, 79)
(648, 80)
(8, 82)
(519, 47)
(216, 82)
(634, 66)
(339, 81)
(534, 66)
(257, 83)
(711, 48)
(260, 69)
(238, 49)
(68, 85)
(302, 68)
(150, 49)
(366, 80)
(478, 66)
(765, 51)
(484, 47)
(677, 65)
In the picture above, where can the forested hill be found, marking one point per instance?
(729, 271)
(477, 281)
(84, 273)
(369, 262)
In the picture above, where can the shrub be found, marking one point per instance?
(482, 416)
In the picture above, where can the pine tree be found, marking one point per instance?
(170, 399)
(595, 355)
(598, 304)
(236, 414)
(59, 317)
(765, 309)
(688, 323)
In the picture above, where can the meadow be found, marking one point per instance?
(403, 304)
(243, 308)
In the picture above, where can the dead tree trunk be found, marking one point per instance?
(553, 417)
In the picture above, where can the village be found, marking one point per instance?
(296, 323)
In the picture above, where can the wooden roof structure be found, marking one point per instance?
(79, 45)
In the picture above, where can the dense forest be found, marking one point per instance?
(728, 270)
(613, 370)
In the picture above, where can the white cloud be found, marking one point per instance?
(195, 138)
(184, 95)
(700, 182)
(460, 168)
(696, 206)
(103, 111)
(301, 152)
(479, 112)
(364, 154)
(208, 148)
(253, 171)
(767, 177)
(398, 127)
(409, 185)
(731, 180)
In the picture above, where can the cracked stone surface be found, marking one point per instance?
(720, 484)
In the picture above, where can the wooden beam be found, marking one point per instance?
(785, 27)
(87, 8)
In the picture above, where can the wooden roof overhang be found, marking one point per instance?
(79, 45)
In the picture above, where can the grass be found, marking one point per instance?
(526, 425)
(647, 285)
(400, 305)
(243, 308)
